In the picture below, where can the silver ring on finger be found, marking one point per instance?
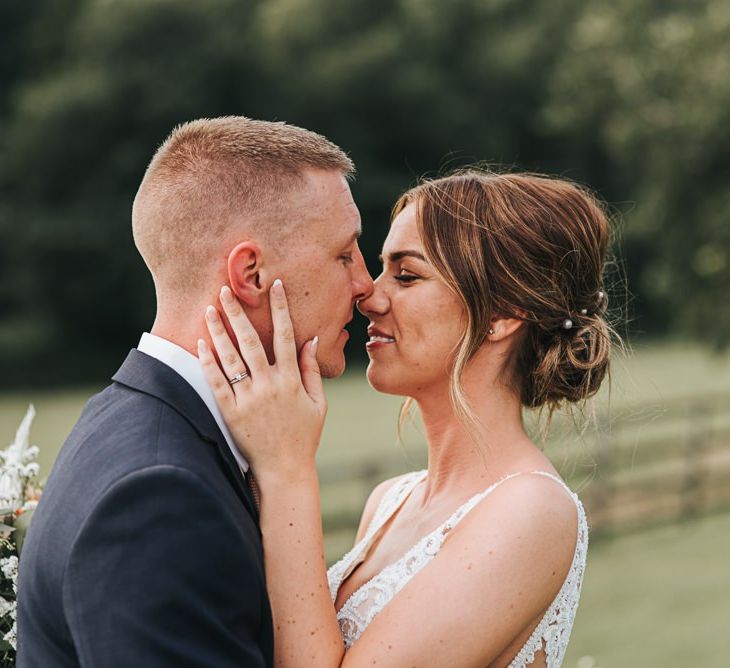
(241, 375)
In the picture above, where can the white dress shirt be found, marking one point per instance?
(188, 366)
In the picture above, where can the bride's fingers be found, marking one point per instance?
(284, 347)
(248, 339)
(311, 376)
(229, 358)
(215, 377)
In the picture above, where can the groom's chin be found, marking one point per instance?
(332, 368)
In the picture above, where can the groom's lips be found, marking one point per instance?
(344, 331)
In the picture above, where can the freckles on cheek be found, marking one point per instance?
(443, 330)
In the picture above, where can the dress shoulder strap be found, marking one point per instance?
(389, 504)
(394, 498)
(460, 512)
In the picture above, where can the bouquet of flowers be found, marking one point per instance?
(19, 495)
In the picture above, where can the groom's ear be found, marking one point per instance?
(244, 277)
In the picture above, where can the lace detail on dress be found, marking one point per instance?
(390, 502)
(551, 634)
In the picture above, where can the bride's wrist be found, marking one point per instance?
(284, 477)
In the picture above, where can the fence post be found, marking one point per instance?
(691, 493)
(372, 474)
(604, 488)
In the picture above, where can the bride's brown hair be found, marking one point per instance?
(525, 246)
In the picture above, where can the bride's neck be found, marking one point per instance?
(460, 456)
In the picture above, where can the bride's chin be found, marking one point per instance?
(381, 381)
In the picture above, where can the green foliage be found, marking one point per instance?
(649, 83)
(631, 97)
(7, 593)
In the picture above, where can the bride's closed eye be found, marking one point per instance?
(405, 277)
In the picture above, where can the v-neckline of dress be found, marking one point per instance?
(368, 541)
(371, 535)
(388, 581)
(369, 538)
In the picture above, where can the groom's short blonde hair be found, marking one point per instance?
(214, 180)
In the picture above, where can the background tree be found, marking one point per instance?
(630, 97)
(641, 96)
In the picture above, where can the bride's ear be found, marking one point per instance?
(244, 273)
(502, 327)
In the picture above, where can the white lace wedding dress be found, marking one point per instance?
(552, 632)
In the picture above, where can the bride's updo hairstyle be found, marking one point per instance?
(522, 246)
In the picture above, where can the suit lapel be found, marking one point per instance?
(146, 374)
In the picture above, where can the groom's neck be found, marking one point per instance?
(182, 330)
(185, 342)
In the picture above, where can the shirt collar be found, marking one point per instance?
(188, 366)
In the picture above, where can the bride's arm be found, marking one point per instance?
(489, 583)
(282, 414)
(306, 632)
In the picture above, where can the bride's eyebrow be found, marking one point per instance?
(399, 255)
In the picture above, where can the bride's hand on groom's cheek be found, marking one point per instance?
(275, 412)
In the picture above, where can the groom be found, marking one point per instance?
(145, 548)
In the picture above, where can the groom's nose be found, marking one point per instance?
(362, 281)
(377, 301)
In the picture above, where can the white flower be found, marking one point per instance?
(10, 608)
(9, 567)
(12, 636)
(18, 465)
(5, 607)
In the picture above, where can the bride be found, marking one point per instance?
(490, 301)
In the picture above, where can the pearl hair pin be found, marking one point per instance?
(568, 323)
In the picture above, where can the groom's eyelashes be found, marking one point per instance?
(346, 259)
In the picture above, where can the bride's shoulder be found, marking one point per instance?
(533, 504)
(375, 499)
(538, 494)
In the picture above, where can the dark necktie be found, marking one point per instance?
(254, 487)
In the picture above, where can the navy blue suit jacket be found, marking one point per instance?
(145, 548)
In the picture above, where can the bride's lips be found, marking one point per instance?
(378, 338)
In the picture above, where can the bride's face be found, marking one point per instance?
(415, 319)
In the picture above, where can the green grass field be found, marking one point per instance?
(656, 598)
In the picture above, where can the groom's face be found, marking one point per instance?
(324, 274)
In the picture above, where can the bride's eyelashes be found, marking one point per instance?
(405, 277)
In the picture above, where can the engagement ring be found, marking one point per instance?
(238, 377)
